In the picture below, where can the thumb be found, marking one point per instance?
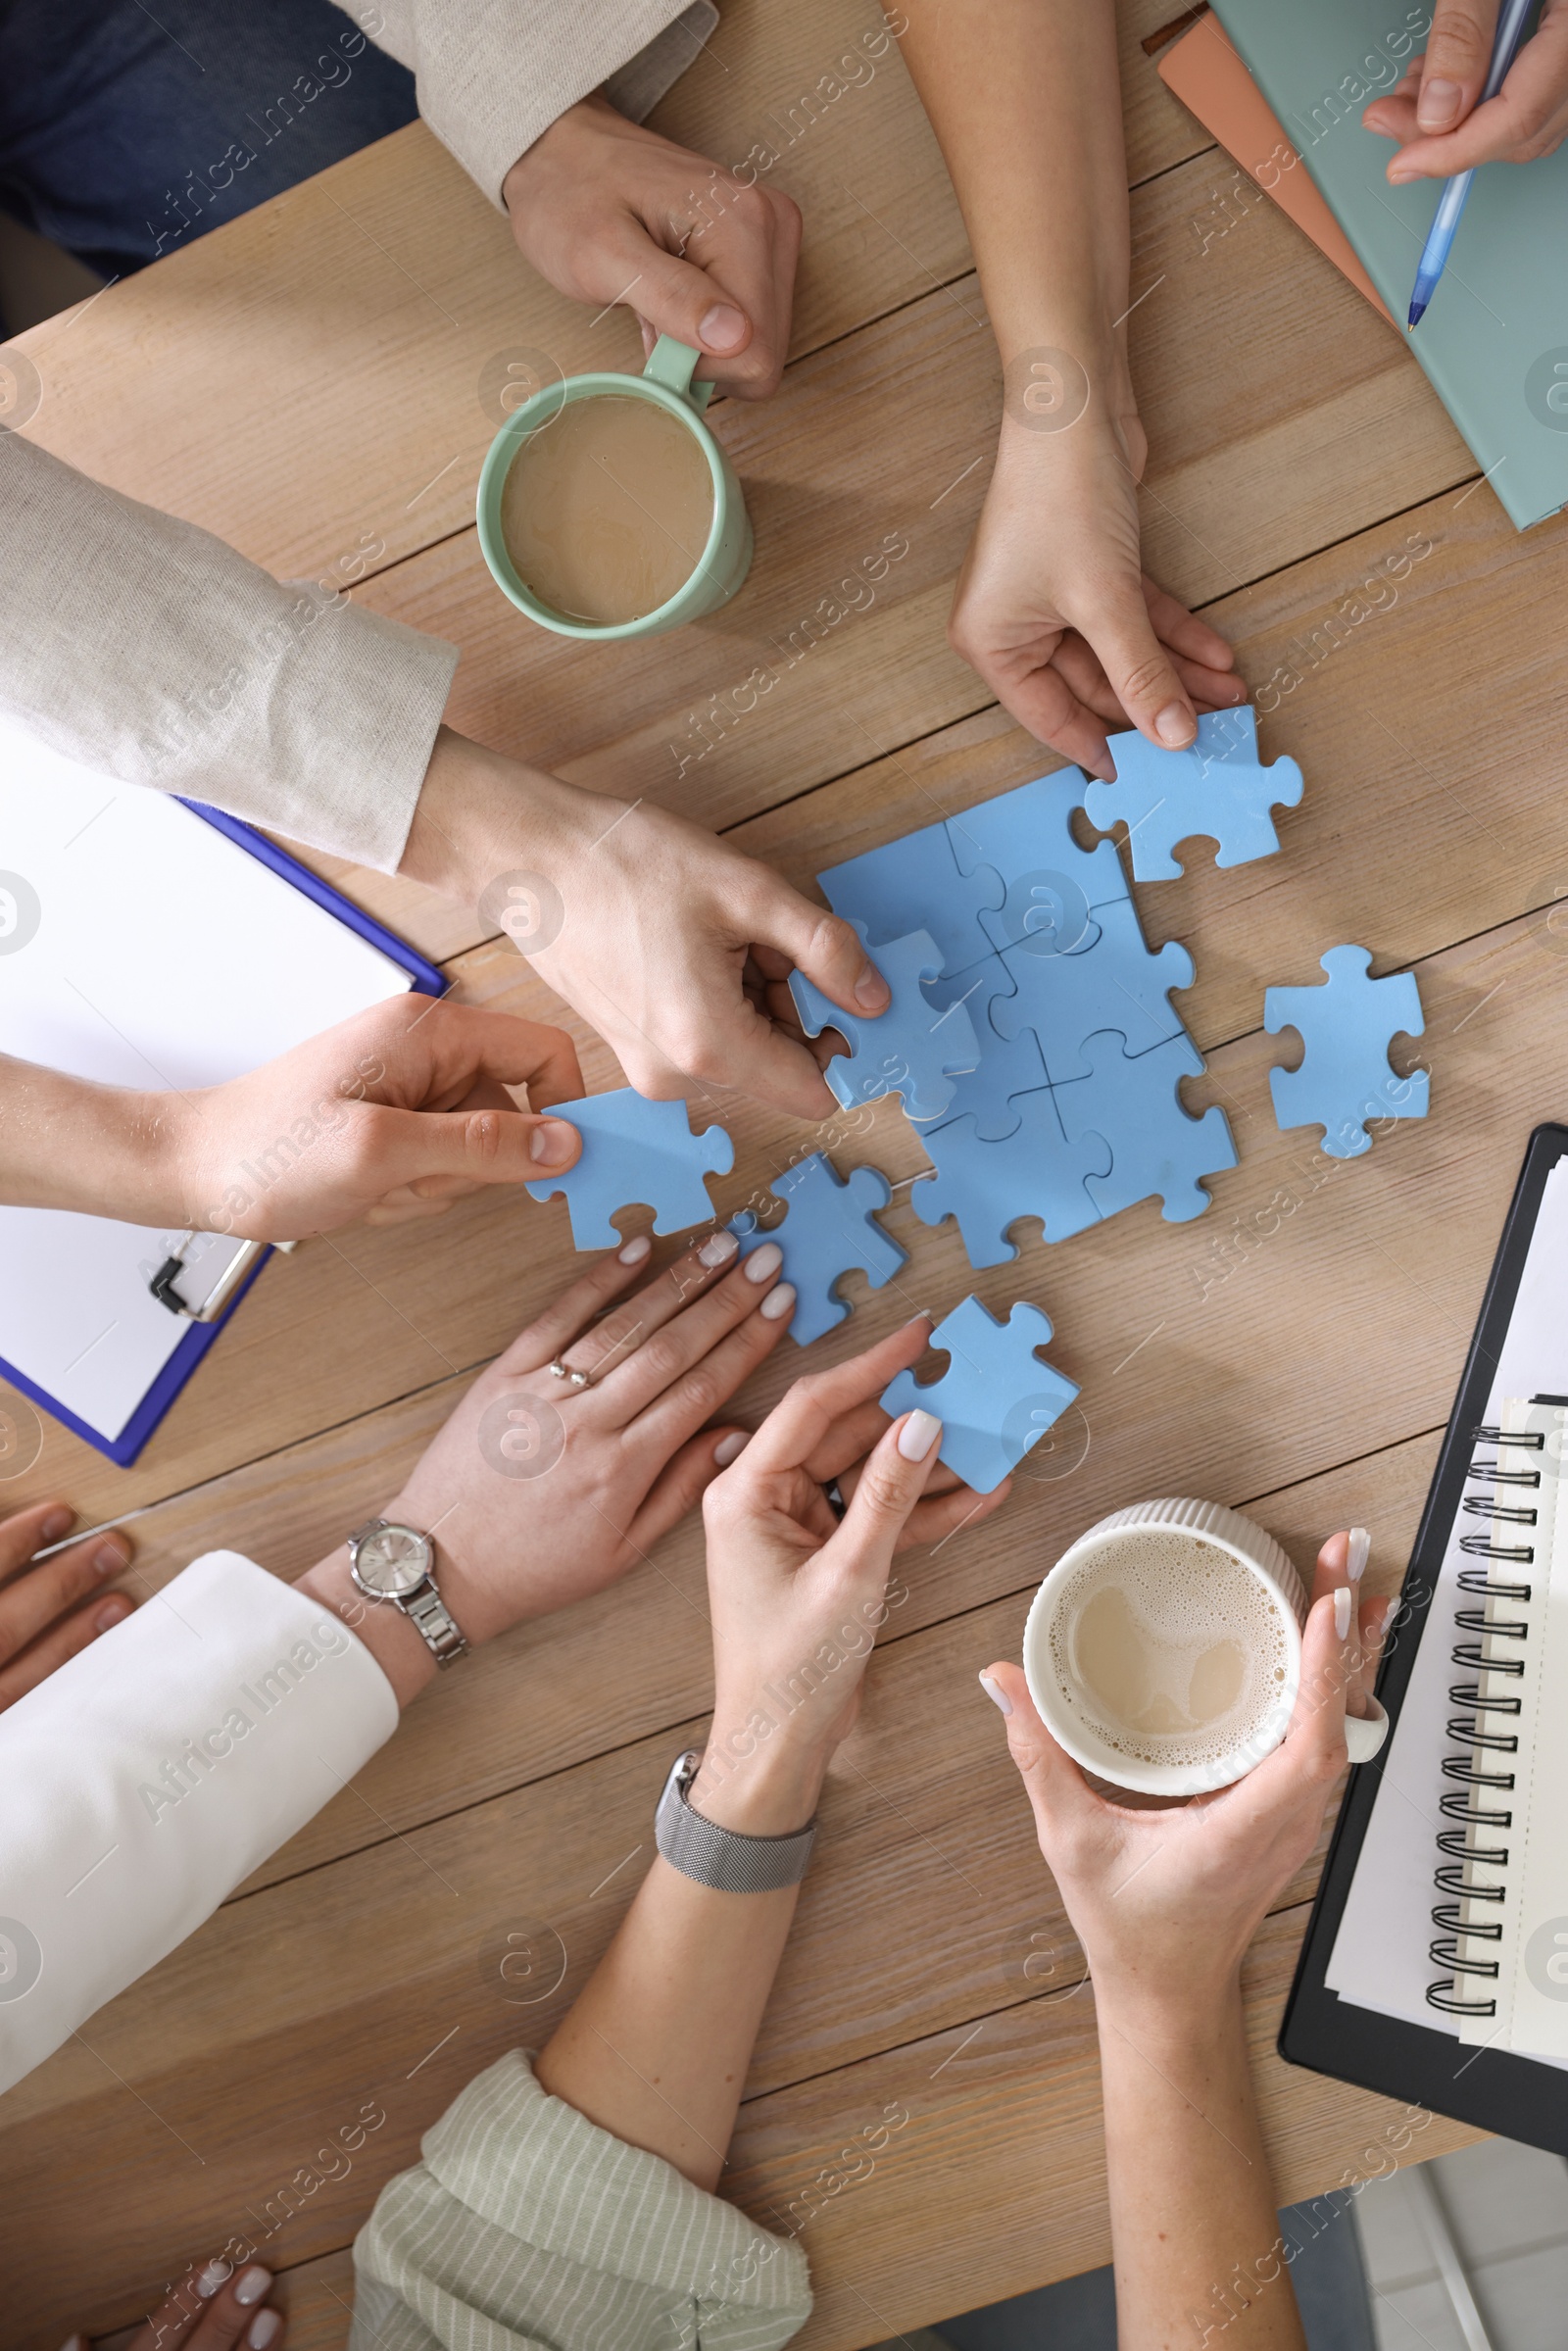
(442, 1151)
(1454, 70)
(678, 299)
(888, 1487)
(824, 948)
(1054, 1784)
(1140, 671)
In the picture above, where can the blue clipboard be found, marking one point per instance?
(427, 980)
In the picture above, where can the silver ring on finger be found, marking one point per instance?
(567, 1371)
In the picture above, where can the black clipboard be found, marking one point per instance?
(1495, 2089)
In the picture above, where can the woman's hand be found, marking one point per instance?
(609, 211)
(539, 1491)
(1052, 606)
(214, 2309)
(1434, 113)
(50, 1610)
(1165, 1900)
(796, 1595)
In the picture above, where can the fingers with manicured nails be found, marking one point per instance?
(682, 1482)
(618, 1342)
(661, 1380)
(1056, 1787)
(214, 2308)
(888, 1489)
(550, 1333)
(61, 1640)
(806, 1416)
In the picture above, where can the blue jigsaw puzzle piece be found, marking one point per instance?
(1025, 837)
(1008, 1066)
(995, 1398)
(1114, 984)
(1346, 1077)
(828, 1229)
(635, 1150)
(914, 1049)
(1036, 1171)
(914, 885)
(1156, 1148)
(1215, 788)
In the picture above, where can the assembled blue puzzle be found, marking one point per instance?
(828, 1230)
(635, 1150)
(1216, 789)
(914, 1049)
(995, 1398)
(1035, 1171)
(1116, 983)
(914, 884)
(1046, 886)
(1131, 1101)
(1346, 1077)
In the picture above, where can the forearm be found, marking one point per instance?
(1025, 99)
(657, 2046)
(479, 811)
(1193, 2218)
(104, 1150)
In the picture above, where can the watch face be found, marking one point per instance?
(394, 1561)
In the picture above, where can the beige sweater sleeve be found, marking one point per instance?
(148, 649)
(525, 2226)
(493, 74)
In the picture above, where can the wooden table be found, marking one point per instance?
(304, 381)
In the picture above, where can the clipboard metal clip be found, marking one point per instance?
(202, 1273)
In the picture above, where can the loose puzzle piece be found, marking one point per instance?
(915, 885)
(1215, 788)
(828, 1229)
(995, 1398)
(1024, 840)
(1037, 1171)
(914, 1049)
(1346, 1078)
(1131, 1103)
(635, 1150)
(1115, 984)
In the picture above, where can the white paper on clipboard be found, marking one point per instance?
(140, 947)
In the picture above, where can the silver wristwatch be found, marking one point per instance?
(390, 1562)
(723, 1858)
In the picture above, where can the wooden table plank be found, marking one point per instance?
(333, 339)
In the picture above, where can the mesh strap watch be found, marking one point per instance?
(391, 1562)
(723, 1858)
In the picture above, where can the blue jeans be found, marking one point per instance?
(122, 137)
(1078, 2313)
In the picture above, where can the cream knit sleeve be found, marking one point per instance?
(525, 2225)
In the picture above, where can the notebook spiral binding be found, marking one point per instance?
(1477, 1802)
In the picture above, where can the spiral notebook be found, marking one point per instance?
(1504, 1871)
(1434, 1967)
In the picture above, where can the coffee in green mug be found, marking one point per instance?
(607, 508)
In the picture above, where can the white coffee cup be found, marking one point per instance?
(1252, 1547)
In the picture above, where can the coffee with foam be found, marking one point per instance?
(1167, 1650)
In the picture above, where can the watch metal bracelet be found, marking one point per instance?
(725, 1859)
(434, 1620)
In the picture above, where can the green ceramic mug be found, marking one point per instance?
(725, 560)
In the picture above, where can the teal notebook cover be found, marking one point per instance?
(1494, 342)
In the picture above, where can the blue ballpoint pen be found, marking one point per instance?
(1440, 236)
